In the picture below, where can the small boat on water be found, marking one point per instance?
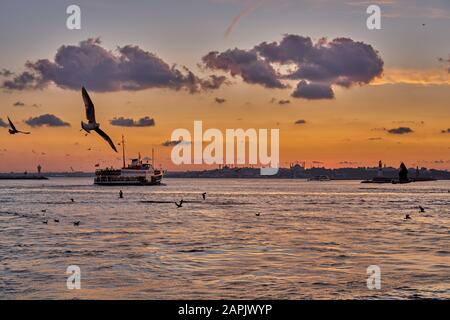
(137, 173)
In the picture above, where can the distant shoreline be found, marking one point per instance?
(295, 172)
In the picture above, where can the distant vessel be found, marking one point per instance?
(135, 174)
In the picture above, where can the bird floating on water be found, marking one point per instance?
(92, 124)
(407, 217)
(204, 195)
(76, 223)
(422, 209)
(258, 214)
(45, 222)
(56, 220)
(13, 129)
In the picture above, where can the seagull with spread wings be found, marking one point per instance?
(13, 129)
(90, 115)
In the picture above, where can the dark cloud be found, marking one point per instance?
(319, 66)
(446, 131)
(3, 124)
(213, 82)
(128, 122)
(171, 143)
(25, 80)
(291, 49)
(313, 91)
(301, 121)
(400, 130)
(99, 69)
(48, 120)
(18, 104)
(246, 64)
(284, 102)
(342, 62)
(220, 100)
(375, 139)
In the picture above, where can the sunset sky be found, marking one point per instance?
(361, 95)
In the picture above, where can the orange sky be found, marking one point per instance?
(346, 129)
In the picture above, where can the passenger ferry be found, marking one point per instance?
(135, 174)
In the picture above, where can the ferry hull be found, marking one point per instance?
(154, 181)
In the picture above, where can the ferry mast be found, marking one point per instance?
(123, 151)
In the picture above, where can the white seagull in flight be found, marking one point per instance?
(90, 115)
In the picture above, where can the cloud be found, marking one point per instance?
(3, 124)
(220, 100)
(171, 143)
(128, 68)
(375, 139)
(400, 130)
(313, 91)
(446, 131)
(213, 82)
(128, 122)
(246, 64)
(48, 120)
(341, 61)
(284, 102)
(19, 104)
(317, 66)
(301, 121)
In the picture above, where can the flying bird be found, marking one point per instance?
(13, 129)
(92, 124)
(179, 205)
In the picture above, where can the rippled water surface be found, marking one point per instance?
(311, 240)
